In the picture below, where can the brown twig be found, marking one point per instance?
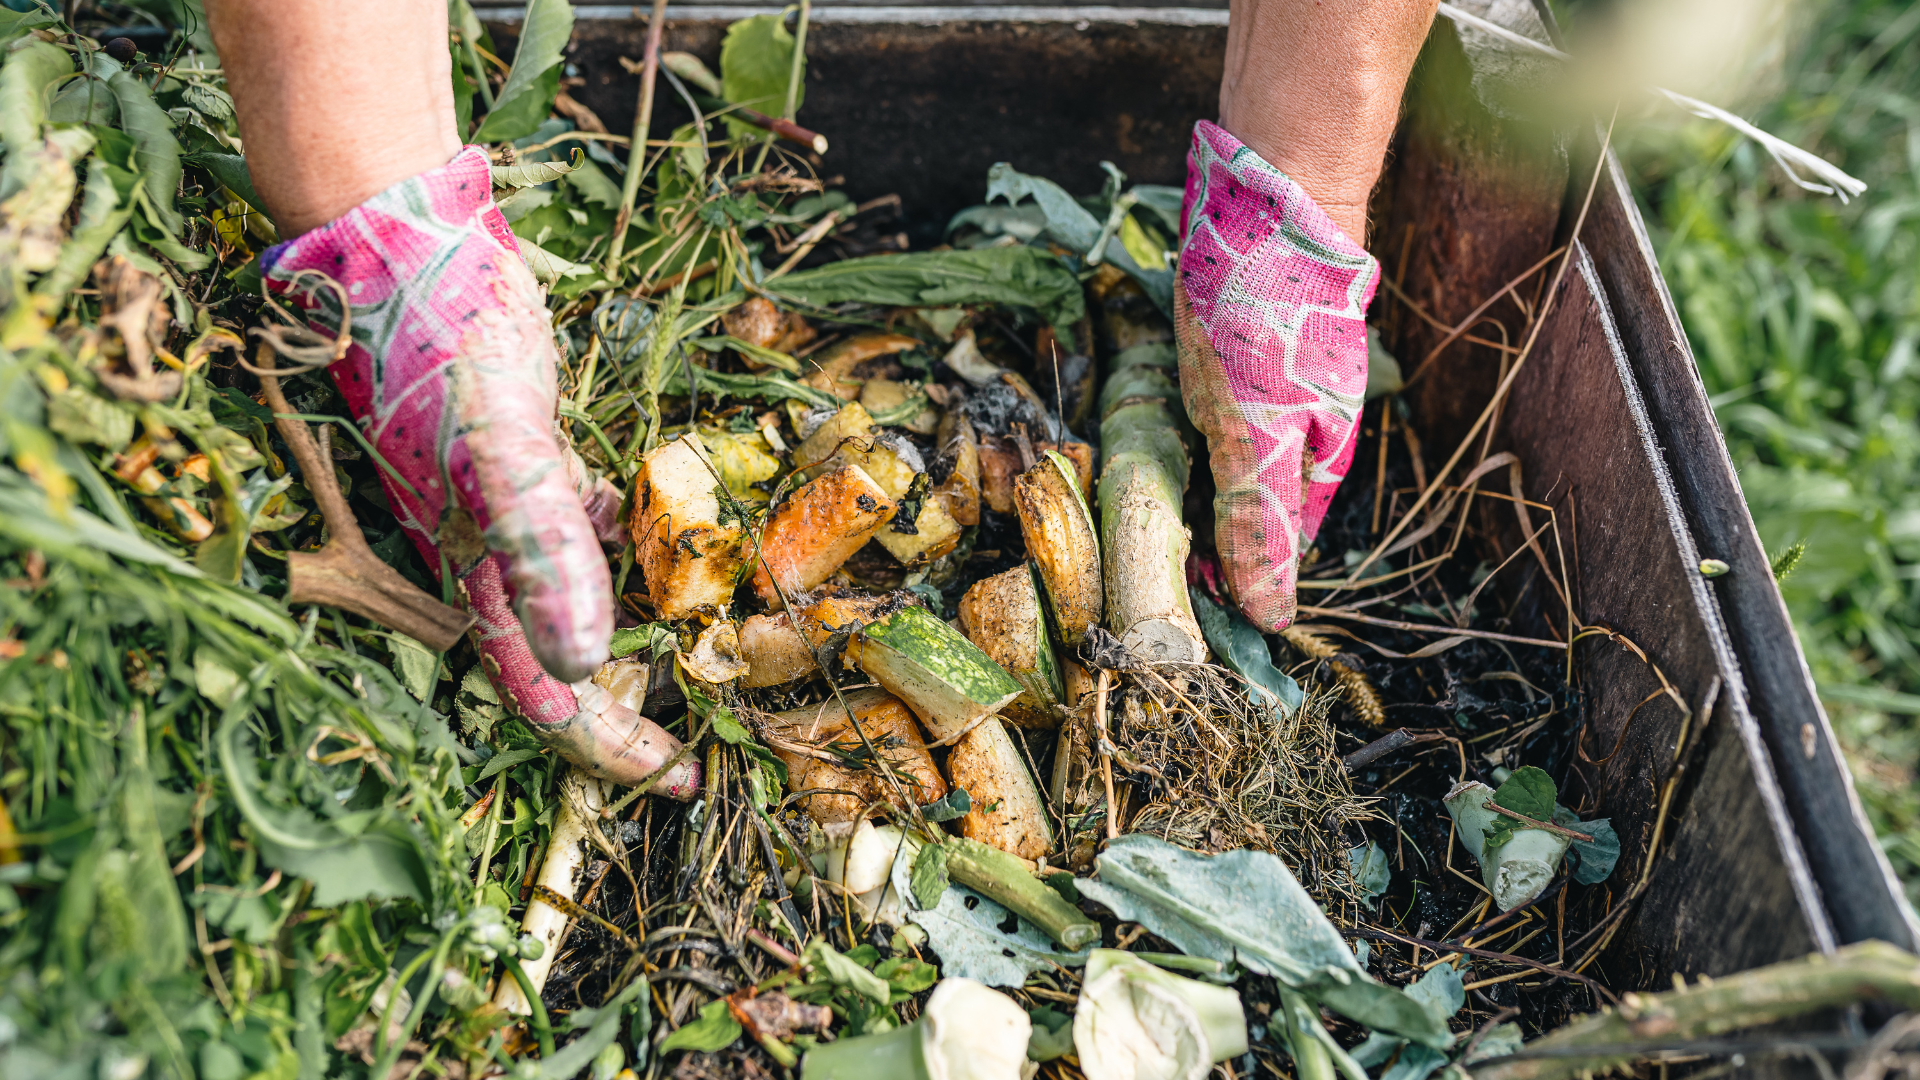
(1536, 823)
(1387, 744)
(1489, 954)
(1422, 628)
(345, 573)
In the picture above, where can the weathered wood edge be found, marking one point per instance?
(1773, 693)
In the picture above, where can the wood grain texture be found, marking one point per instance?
(1859, 889)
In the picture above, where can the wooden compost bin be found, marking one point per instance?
(1766, 854)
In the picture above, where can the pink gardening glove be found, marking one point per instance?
(1270, 309)
(452, 375)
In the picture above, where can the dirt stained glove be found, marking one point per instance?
(1270, 309)
(453, 376)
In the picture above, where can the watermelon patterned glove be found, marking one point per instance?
(452, 374)
(1270, 311)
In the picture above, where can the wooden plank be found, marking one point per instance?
(1860, 891)
(1578, 420)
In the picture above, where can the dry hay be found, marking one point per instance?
(1236, 774)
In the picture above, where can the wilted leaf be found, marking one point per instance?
(1370, 870)
(964, 929)
(547, 267)
(929, 879)
(1594, 860)
(953, 805)
(999, 275)
(756, 61)
(535, 173)
(1246, 907)
(741, 460)
(155, 147)
(1241, 647)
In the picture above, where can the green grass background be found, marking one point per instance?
(1804, 314)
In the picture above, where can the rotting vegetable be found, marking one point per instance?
(241, 836)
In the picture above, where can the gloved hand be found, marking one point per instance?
(452, 376)
(1270, 309)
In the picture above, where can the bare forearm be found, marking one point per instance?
(337, 101)
(1314, 87)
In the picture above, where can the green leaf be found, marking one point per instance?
(658, 639)
(1020, 275)
(772, 386)
(1069, 223)
(1594, 860)
(929, 877)
(603, 1027)
(907, 974)
(1242, 648)
(956, 804)
(715, 1030)
(1246, 907)
(505, 760)
(1370, 870)
(1441, 991)
(595, 186)
(527, 96)
(25, 80)
(17, 24)
(964, 929)
(1066, 220)
(520, 116)
(844, 971)
(728, 729)
(1528, 791)
(230, 171)
(756, 61)
(155, 148)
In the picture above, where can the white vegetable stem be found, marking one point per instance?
(560, 871)
(965, 1032)
(1136, 1022)
(1519, 869)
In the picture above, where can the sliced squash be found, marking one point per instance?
(1003, 615)
(1063, 544)
(1007, 812)
(1000, 463)
(689, 560)
(960, 457)
(843, 368)
(817, 529)
(777, 654)
(815, 743)
(949, 683)
(934, 533)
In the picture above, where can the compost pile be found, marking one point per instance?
(907, 573)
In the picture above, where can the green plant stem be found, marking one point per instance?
(542, 1030)
(637, 150)
(493, 830)
(1870, 970)
(1005, 880)
(391, 1049)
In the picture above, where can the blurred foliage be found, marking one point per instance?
(1804, 314)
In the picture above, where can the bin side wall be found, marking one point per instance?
(924, 111)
